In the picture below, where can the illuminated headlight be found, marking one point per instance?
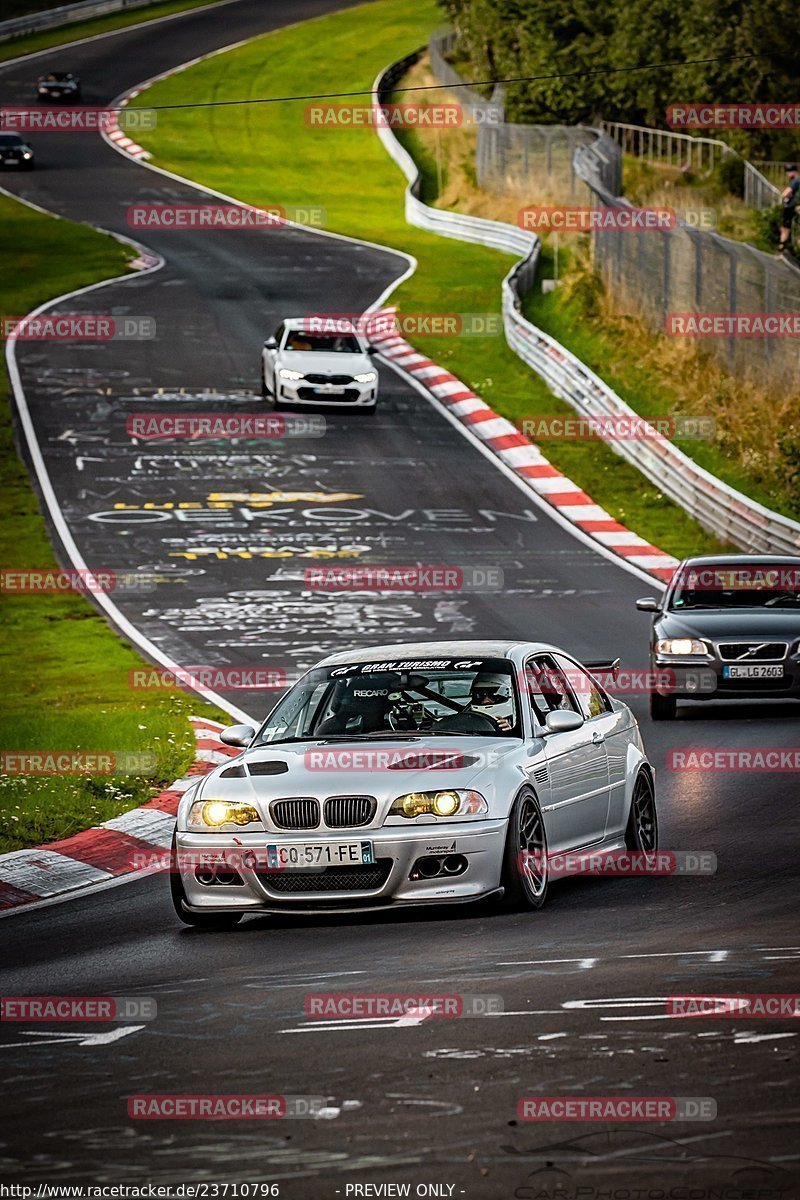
(366, 377)
(439, 804)
(27, 154)
(284, 374)
(211, 814)
(681, 646)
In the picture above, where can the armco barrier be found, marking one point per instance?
(51, 18)
(729, 514)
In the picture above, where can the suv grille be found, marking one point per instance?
(737, 651)
(337, 379)
(302, 813)
(346, 811)
(332, 879)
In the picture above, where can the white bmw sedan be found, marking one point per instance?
(303, 366)
(421, 773)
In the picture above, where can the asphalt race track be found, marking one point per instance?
(582, 983)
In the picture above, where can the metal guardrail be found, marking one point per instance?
(691, 154)
(66, 14)
(729, 514)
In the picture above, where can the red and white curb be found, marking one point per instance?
(523, 457)
(110, 850)
(120, 138)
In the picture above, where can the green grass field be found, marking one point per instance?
(83, 29)
(63, 671)
(268, 154)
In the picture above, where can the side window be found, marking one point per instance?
(278, 335)
(547, 688)
(591, 701)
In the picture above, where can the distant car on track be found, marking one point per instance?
(727, 628)
(304, 367)
(59, 85)
(16, 152)
(412, 774)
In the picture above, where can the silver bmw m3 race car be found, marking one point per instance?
(422, 773)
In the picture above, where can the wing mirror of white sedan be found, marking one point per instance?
(563, 720)
(238, 735)
(648, 604)
(270, 344)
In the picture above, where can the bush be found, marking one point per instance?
(731, 174)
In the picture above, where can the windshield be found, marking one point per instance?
(10, 139)
(447, 697)
(323, 343)
(738, 585)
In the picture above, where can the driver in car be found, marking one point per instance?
(490, 696)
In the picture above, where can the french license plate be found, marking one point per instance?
(752, 671)
(328, 390)
(305, 856)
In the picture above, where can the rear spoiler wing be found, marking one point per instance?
(604, 666)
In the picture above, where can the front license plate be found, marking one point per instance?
(752, 671)
(305, 856)
(12, 162)
(327, 390)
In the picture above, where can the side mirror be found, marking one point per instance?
(372, 349)
(563, 721)
(648, 604)
(238, 735)
(270, 344)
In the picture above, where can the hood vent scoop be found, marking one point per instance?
(233, 773)
(275, 767)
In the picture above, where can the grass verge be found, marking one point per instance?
(84, 29)
(242, 151)
(63, 671)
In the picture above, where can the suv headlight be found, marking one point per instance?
(211, 814)
(366, 377)
(451, 803)
(681, 646)
(286, 374)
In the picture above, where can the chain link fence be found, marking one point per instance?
(652, 273)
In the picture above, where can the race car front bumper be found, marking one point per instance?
(229, 873)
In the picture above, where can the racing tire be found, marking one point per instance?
(525, 873)
(641, 832)
(266, 394)
(662, 708)
(213, 922)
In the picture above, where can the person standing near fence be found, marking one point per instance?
(789, 198)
